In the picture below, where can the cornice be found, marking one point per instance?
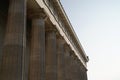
(64, 16)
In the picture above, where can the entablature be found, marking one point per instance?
(58, 17)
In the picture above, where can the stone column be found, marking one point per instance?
(14, 45)
(51, 54)
(37, 56)
(74, 67)
(79, 73)
(61, 59)
(86, 75)
(69, 66)
(67, 63)
(83, 73)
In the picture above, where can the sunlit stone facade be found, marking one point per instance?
(37, 42)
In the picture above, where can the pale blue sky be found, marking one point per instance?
(97, 24)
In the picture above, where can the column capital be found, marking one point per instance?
(60, 39)
(67, 47)
(72, 53)
(51, 29)
(37, 14)
(83, 68)
(75, 57)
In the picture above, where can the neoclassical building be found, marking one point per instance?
(37, 42)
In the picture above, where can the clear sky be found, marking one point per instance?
(97, 24)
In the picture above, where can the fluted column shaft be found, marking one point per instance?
(85, 75)
(14, 45)
(73, 67)
(67, 63)
(61, 59)
(70, 67)
(82, 76)
(84, 71)
(51, 55)
(76, 70)
(37, 56)
(80, 72)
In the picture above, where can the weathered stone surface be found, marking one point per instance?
(60, 59)
(51, 55)
(68, 67)
(41, 55)
(14, 44)
(37, 56)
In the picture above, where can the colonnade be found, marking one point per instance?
(50, 57)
